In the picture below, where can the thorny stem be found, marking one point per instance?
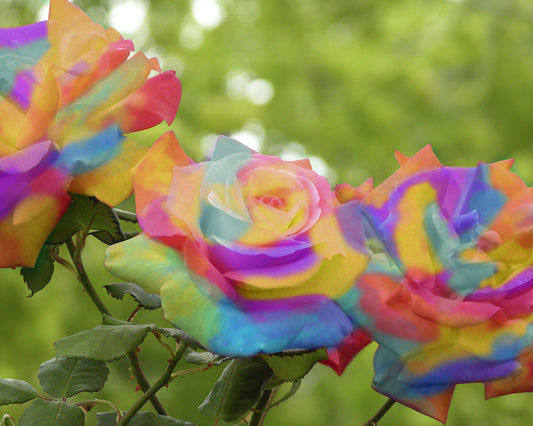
(137, 372)
(162, 381)
(373, 421)
(259, 411)
(84, 279)
(157, 335)
(143, 382)
(63, 262)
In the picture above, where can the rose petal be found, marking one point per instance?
(34, 199)
(201, 309)
(340, 357)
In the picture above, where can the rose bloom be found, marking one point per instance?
(68, 94)
(248, 252)
(449, 299)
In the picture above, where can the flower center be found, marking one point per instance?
(272, 201)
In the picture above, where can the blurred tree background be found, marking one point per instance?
(344, 83)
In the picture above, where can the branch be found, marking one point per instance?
(162, 381)
(83, 278)
(260, 411)
(373, 421)
(143, 382)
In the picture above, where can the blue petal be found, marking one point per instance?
(85, 155)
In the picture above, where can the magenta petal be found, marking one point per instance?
(18, 36)
(341, 356)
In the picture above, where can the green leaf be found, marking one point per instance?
(39, 276)
(14, 391)
(126, 215)
(104, 342)
(131, 234)
(290, 393)
(142, 418)
(104, 236)
(274, 382)
(290, 367)
(146, 300)
(110, 320)
(202, 358)
(85, 213)
(52, 413)
(239, 387)
(65, 377)
(109, 238)
(181, 336)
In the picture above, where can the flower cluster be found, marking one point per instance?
(69, 91)
(253, 254)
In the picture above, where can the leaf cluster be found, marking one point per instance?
(85, 216)
(61, 378)
(244, 381)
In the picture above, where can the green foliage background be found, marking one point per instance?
(353, 81)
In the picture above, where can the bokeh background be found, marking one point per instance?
(344, 83)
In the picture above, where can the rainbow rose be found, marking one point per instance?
(68, 94)
(248, 252)
(450, 298)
